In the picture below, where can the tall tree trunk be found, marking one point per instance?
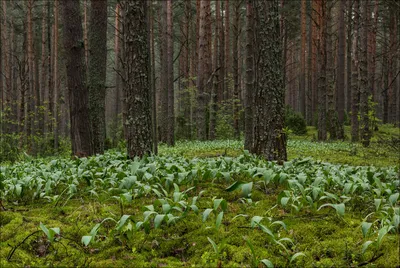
(153, 81)
(76, 79)
(249, 99)
(85, 32)
(348, 56)
(322, 60)
(302, 88)
(372, 51)
(164, 73)
(269, 136)
(50, 57)
(170, 77)
(393, 70)
(43, 82)
(228, 68)
(97, 73)
(137, 77)
(116, 98)
(31, 80)
(340, 85)
(235, 65)
(332, 116)
(202, 71)
(314, 61)
(364, 87)
(310, 73)
(56, 76)
(355, 93)
(215, 95)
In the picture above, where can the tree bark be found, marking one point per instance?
(137, 78)
(302, 88)
(227, 53)
(170, 77)
(355, 93)
(201, 72)
(348, 56)
(269, 136)
(249, 99)
(97, 67)
(76, 79)
(340, 85)
(322, 60)
(364, 86)
(235, 67)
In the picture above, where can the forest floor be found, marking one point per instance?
(206, 204)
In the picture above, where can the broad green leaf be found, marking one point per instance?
(267, 263)
(122, 221)
(213, 245)
(393, 199)
(255, 220)
(366, 245)
(281, 223)
(158, 220)
(206, 213)
(46, 231)
(377, 203)
(340, 208)
(219, 220)
(234, 186)
(246, 189)
(266, 230)
(284, 201)
(86, 240)
(365, 226)
(295, 256)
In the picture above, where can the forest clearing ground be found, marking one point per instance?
(326, 236)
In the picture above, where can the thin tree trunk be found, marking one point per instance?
(348, 56)
(56, 77)
(340, 85)
(164, 73)
(364, 87)
(235, 65)
(153, 82)
(249, 99)
(322, 60)
(355, 93)
(227, 52)
(216, 84)
(170, 77)
(302, 88)
(201, 72)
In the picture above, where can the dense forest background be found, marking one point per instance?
(341, 67)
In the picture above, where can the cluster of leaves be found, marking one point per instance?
(172, 182)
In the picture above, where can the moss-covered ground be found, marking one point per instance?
(326, 238)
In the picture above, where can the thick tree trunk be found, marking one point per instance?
(97, 73)
(364, 86)
(137, 77)
(153, 81)
(249, 99)
(269, 136)
(315, 70)
(43, 81)
(76, 79)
